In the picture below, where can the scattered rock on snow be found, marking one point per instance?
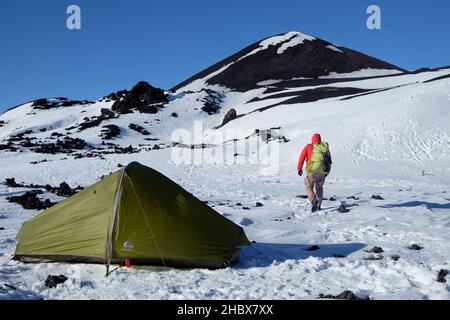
(441, 275)
(106, 114)
(377, 197)
(332, 198)
(374, 258)
(259, 204)
(415, 247)
(1, 228)
(53, 281)
(302, 196)
(346, 295)
(376, 250)
(61, 146)
(343, 209)
(44, 104)
(109, 131)
(211, 103)
(353, 197)
(139, 129)
(64, 190)
(30, 201)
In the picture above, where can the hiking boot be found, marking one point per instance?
(314, 205)
(319, 208)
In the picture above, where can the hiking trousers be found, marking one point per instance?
(314, 186)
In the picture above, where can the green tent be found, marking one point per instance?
(135, 213)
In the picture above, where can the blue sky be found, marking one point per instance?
(165, 42)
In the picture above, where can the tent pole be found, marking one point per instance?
(114, 220)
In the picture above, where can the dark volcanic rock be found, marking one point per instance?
(110, 131)
(141, 97)
(343, 209)
(375, 258)
(115, 96)
(44, 104)
(64, 190)
(345, 295)
(415, 247)
(313, 248)
(230, 116)
(211, 103)
(53, 281)
(259, 204)
(376, 250)
(67, 145)
(106, 114)
(377, 197)
(441, 276)
(11, 182)
(30, 201)
(139, 129)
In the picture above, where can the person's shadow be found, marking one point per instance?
(264, 254)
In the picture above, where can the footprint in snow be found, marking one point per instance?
(246, 222)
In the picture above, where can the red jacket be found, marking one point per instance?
(307, 152)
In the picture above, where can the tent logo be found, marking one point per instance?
(231, 146)
(128, 245)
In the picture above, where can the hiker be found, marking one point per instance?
(318, 166)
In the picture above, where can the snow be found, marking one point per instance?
(268, 82)
(286, 40)
(380, 144)
(334, 48)
(362, 73)
(297, 40)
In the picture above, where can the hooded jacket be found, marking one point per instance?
(308, 151)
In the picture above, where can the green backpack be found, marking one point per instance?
(319, 162)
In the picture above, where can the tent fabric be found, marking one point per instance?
(135, 213)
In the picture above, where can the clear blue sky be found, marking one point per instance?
(164, 42)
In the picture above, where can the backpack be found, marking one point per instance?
(320, 161)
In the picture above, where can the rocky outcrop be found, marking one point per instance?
(44, 104)
(109, 131)
(230, 116)
(142, 97)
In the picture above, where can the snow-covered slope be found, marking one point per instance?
(389, 135)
